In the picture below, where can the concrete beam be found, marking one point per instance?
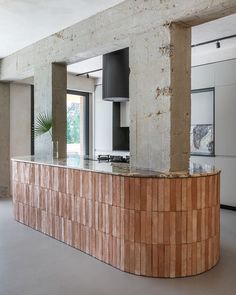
(110, 30)
(50, 82)
(5, 139)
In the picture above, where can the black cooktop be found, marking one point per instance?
(113, 158)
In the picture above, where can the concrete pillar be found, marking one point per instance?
(160, 105)
(5, 139)
(50, 96)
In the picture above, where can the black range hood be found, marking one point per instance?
(116, 76)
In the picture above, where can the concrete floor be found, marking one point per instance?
(34, 264)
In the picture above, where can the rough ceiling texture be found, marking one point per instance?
(208, 31)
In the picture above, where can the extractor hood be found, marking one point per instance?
(116, 76)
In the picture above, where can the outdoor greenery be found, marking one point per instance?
(73, 123)
(43, 123)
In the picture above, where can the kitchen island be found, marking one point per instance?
(142, 222)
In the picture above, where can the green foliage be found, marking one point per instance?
(43, 124)
(73, 123)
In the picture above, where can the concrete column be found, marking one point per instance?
(50, 96)
(160, 105)
(5, 139)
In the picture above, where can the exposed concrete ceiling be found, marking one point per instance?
(200, 55)
(24, 22)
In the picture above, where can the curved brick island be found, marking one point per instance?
(141, 222)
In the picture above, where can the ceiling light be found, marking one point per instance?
(218, 44)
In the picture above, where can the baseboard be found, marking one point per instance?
(227, 207)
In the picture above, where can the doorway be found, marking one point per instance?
(77, 122)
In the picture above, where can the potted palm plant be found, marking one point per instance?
(43, 125)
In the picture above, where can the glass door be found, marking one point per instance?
(77, 123)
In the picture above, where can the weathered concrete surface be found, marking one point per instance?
(50, 82)
(5, 139)
(110, 30)
(160, 68)
(180, 97)
(160, 98)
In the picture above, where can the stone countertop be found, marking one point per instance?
(122, 169)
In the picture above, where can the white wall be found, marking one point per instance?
(103, 111)
(124, 114)
(202, 111)
(222, 76)
(80, 83)
(102, 123)
(201, 56)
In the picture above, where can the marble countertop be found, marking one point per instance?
(123, 169)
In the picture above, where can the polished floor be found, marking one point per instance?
(34, 264)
